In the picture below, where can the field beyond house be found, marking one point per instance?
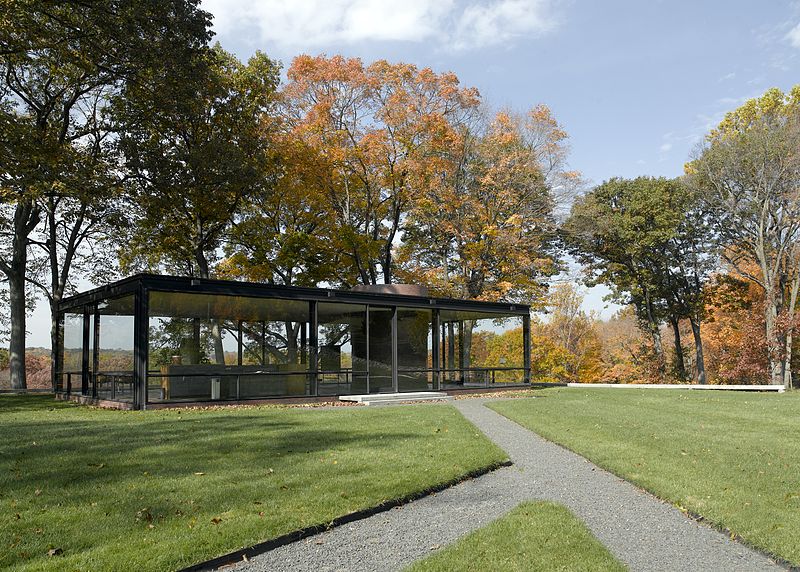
(91, 489)
(731, 457)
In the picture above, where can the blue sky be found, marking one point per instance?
(636, 84)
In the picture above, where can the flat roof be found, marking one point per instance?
(161, 283)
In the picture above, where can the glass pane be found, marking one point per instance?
(380, 350)
(115, 350)
(211, 347)
(413, 349)
(72, 348)
(342, 342)
(479, 350)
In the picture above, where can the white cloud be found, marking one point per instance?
(501, 22)
(666, 147)
(306, 24)
(794, 36)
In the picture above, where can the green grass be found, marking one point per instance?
(535, 536)
(732, 457)
(160, 490)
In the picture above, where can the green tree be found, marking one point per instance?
(59, 63)
(192, 154)
(749, 174)
(646, 239)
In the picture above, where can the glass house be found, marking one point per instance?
(148, 341)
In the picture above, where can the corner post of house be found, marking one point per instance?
(95, 351)
(437, 370)
(140, 341)
(526, 346)
(313, 349)
(85, 352)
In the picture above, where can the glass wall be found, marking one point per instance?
(480, 350)
(342, 338)
(380, 350)
(215, 347)
(414, 346)
(71, 352)
(115, 351)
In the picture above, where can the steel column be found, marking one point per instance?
(140, 343)
(85, 352)
(526, 347)
(435, 350)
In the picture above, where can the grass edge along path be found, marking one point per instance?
(158, 490)
(534, 536)
(727, 459)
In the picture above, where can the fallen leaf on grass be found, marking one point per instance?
(55, 552)
(216, 520)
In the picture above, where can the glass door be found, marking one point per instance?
(381, 350)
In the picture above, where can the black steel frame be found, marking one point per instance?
(140, 285)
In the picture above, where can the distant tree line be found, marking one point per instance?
(129, 142)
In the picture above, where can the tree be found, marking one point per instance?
(283, 234)
(749, 174)
(485, 228)
(649, 241)
(377, 131)
(192, 155)
(735, 334)
(57, 62)
(570, 328)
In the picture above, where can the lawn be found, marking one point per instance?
(731, 457)
(159, 490)
(534, 536)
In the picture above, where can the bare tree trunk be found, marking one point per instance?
(26, 217)
(680, 365)
(658, 347)
(16, 287)
(698, 351)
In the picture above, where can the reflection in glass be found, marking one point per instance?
(413, 347)
(380, 350)
(72, 352)
(205, 346)
(342, 343)
(114, 378)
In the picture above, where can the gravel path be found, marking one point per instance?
(641, 531)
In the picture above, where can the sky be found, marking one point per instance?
(636, 84)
